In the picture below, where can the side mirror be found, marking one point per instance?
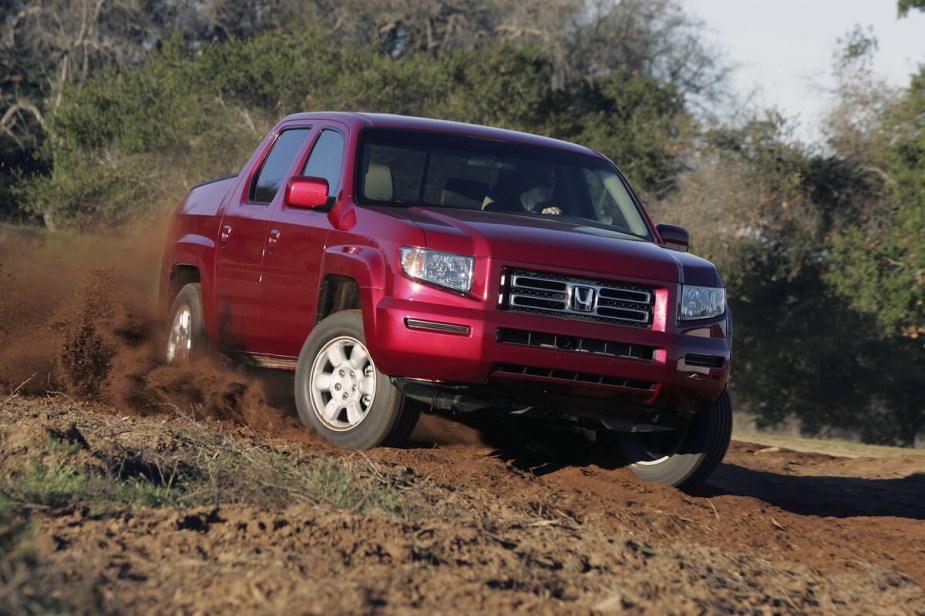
(674, 237)
(309, 193)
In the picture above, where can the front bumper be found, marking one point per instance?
(526, 357)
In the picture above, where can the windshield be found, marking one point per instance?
(405, 168)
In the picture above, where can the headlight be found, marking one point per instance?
(440, 268)
(702, 302)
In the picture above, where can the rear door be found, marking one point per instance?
(243, 239)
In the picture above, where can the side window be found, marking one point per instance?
(613, 205)
(274, 167)
(327, 160)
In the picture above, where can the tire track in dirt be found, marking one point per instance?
(831, 513)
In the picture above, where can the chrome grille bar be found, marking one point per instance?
(577, 298)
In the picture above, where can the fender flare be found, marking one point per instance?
(366, 265)
(196, 251)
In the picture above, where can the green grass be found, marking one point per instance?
(184, 466)
(56, 476)
(337, 482)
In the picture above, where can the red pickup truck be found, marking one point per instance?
(399, 264)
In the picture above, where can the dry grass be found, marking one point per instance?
(834, 447)
(55, 456)
(104, 462)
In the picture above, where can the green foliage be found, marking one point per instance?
(502, 85)
(138, 111)
(89, 193)
(747, 208)
(127, 140)
(781, 222)
(641, 124)
(881, 271)
(276, 72)
(371, 82)
(877, 267)
(803, 353)
(904, 6)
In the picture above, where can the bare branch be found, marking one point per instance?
(12, 114)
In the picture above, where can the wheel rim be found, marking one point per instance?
(180, 342)
(649, 449)
(342, 383)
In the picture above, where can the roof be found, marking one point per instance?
(393, 121)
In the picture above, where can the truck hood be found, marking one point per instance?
(561, 243)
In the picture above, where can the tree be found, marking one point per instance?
(905, 6)
(116, 138)
(639, 122)
(47, 45)
(883, 272)
(745, 203)
(799, 235)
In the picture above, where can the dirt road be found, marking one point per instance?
(491, 521)
(491, 531)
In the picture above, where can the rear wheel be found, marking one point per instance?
(684, 458)
(187, 338)
(341, 394)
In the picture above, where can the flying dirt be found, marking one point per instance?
(496, 518)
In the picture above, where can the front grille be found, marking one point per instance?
(574, 377)
(575, 343)
(576, 298)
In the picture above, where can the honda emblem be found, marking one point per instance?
(582, 299)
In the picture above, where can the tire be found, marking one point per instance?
(687, 460)
(187, 338)
(341, 394)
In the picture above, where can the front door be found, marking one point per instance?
(292, 265)
(242, 241)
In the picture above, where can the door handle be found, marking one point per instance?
(273, 240)
(225, 234)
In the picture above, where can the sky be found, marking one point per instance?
(783, 49)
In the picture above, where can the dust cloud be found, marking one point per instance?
(79, 316)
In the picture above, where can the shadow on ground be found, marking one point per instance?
(839, 497)
(542, 449)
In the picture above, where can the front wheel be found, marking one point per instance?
(341, 394)
(685, 458)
